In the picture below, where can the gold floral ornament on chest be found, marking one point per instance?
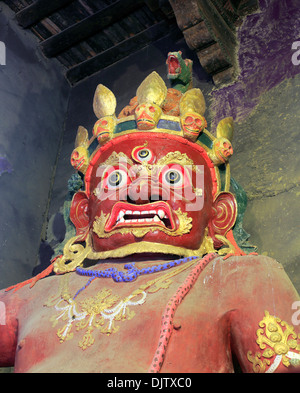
(103, 312)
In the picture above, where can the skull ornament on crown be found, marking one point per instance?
(139, 197)
(222, 149)
(192, 125)
(147, 116)
(80, 159)
(103, 129)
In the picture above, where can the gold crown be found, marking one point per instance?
(146, 115)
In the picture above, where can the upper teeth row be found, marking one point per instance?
(160, 213)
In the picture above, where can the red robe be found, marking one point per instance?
(228, 313)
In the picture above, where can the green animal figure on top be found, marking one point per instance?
(179, 71)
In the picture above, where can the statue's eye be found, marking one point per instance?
(144, 154)
(117, 178)
(172, 176)
(175, 176)
(141, 154)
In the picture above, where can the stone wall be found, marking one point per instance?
(267, 164)
(33, 104)
(265, 104)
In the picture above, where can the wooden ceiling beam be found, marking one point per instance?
(121, 50)
(88, 27)
(244, 7)
(39, 10)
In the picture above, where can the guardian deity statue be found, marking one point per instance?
(153, 277)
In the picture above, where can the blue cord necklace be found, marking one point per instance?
(131, 274)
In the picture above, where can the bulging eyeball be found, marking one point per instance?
(142, 154)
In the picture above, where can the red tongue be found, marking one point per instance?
(173, 65)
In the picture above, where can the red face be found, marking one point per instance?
(138, 193)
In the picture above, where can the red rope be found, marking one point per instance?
(168, 315)
(32, 281)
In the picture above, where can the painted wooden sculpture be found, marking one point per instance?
(153, 280)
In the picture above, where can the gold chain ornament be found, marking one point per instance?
(103, 310)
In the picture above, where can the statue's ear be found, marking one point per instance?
(223, 217)
(79, 214)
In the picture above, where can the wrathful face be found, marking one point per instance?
(151, 189)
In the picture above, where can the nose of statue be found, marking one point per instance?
(139, 191)
(145, 190)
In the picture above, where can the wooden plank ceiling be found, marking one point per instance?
(89, 35)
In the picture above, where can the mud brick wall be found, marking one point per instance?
(265, 104)
(33, 104)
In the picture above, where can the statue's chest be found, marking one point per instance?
(118, 327)
(109, 328)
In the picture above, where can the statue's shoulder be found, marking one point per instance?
(30, 290)
(252, 261)
(252, 282)
(238, 270)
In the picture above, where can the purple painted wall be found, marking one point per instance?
(264, 55)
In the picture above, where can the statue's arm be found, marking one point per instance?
(8, 330)
(265, 322)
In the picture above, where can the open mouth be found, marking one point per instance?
(125, 214)
(174, 66)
